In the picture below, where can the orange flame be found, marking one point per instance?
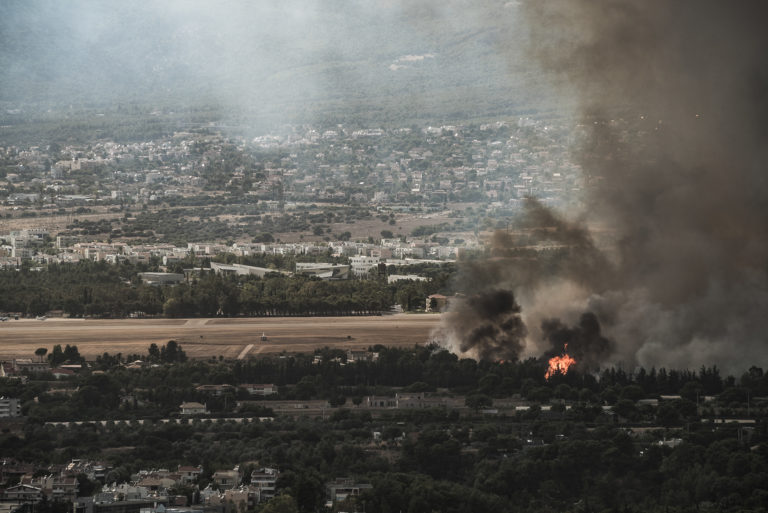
(559, 364)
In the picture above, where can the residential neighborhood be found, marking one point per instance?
(497, 162)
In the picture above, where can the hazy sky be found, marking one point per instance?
(263, 56)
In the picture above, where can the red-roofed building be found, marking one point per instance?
(59, 373)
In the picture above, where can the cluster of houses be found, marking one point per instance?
(491, 162)
(28, 244)
(262, 487)
(56, 483)
(152, 491)
(476, 164)
(21, 368)
(195, 408)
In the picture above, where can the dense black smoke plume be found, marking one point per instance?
(496, 331)
(488, 325)
(673, 117)
(674, 100)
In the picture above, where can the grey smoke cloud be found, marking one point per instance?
(673, 99)
(680, 175)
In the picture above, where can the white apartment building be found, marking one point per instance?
(9, 407)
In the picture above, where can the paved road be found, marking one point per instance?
(244, 351)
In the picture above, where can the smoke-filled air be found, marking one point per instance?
(664, 263)
(671, 137)
(292, 61)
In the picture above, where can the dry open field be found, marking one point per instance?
(203, 338)
(54, 223)
(359, 230)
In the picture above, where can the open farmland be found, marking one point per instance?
(204, 338)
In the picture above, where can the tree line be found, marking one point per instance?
(160, 388)
(99, 289)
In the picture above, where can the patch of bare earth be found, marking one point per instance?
(205, 338)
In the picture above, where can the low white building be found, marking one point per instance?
(244, 270)
(158, 279)
(362, 265)
(193, 408)
(323, 271)
(260, 389)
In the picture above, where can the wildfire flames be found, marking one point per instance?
(559, 364)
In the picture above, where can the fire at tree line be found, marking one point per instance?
(387, 430)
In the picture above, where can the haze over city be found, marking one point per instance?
(383, 256)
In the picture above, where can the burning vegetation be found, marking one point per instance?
(559, 364)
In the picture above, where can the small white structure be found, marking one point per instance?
(193, 408)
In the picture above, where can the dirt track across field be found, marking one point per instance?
(204, 338)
